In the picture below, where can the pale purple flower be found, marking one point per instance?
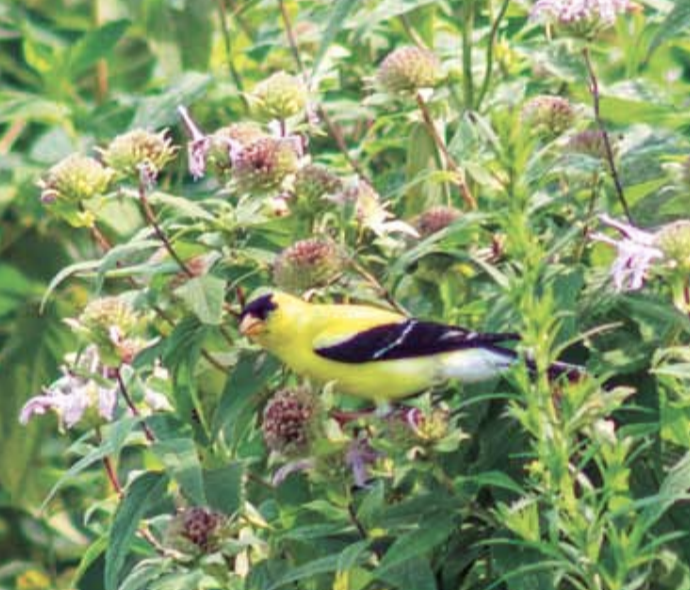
(197, 148)
(72, 395)
(636, 252)
(575, 12)
(359, 457)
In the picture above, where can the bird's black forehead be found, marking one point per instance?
(259, 307)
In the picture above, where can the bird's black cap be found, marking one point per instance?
(260, 307)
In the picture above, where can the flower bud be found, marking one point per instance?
(436, 219)
(287, 421)
(279, 97)
(131, 152)
(308, 264)
(262, 166)
(75, 179)
(314, 182)
(548, 116)
(408, 69)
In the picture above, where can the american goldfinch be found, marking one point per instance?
(373, 353)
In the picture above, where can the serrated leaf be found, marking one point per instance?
(96, 45)
(179, 456)
(139, 496)
(205, 297)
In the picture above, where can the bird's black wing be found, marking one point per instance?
(407, 339)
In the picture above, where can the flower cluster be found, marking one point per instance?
(582, 17)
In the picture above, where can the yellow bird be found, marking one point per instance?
(373, 353)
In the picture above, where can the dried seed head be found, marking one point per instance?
(314, 182)
(131, 152)
(408, 69)
(436, 219)
(279, 97)
(262, 166)
(287, 421)
(308, 264)
(75, 179)
(548, 116)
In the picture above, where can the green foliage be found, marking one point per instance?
(522, 482)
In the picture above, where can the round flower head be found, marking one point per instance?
(408, 69)
(583, 18)
(548, 116)
(130, 152)
(112, 325)
(674, 241)
(279, 97)
(262, 166)
(308, 264)
(72, 181)
(287, 421)
(436, 219)
(314, 182)
(229, 140)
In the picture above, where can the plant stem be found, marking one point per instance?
(449, 161)
(151, 221)
(593, 88)
(148, 433)
(467, 16)
(163, 238)
(489, 58)
(111, 473)
(228, 48)
(379, 287)
(333, 128)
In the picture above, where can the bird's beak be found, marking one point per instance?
(251, 326)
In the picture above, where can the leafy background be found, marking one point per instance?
(496, 510)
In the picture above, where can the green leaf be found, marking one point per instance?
(110, 447)
(412, 573)
(65, 273)
(428, 534)
(93, 552)
(179, 455)
(96, 45)
(323, 565)
(224, 487)
(340, 12)
(141, 493)
(160, 110)
(677, 20)
(240, 394)
(205, 297)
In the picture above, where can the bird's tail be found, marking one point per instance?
(488, 361)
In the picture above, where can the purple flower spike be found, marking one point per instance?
(197, 148)
(636, 252)
(359, 457)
